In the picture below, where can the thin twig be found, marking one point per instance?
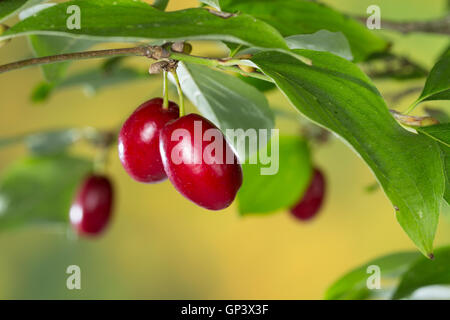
(136, 51)
(388, 65)
(152, 52)
(440, 26)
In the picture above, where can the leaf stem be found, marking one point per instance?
(412, 106)
(180, 93)
(236, 50)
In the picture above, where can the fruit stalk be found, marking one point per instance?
(180, 93)
(165, 91)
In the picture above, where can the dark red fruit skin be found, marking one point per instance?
(312, 200)
(91, 209)
(139, 140)
(212, 186)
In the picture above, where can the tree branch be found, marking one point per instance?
(147, 51)
(439, 26)
(388, 65)
(152, 52)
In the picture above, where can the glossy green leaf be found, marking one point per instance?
(41, 92)
(446, 161)
(261, 85)
(293, 17)
(441, 134)
(229, 103)
(39, 190)
(353, 285)
(425, 272)
(264, 193)
(51, 45)
(11, 7)
(437, 86)
(322, 40)
(91, 80)
(128, 20)
(334, 93)
(438, 132)
(212, 3)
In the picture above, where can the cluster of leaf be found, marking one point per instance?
(38, 189)
(402, 275)
(283, 36)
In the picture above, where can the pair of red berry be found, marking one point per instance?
(149, 140)
(145, 150)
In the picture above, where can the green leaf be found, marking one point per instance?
(10, 7)
(261, 193)
(128, 20)
(229, 103)
(322, 40)
(41, 92)
(438, 132)
(437, 86)
(52, 142)
(45, 142)
(441, 134)
(39, 190)
(160, 4)
(446, 162)
(261, 85)
(52, 45)
(212, 3)
(91, 80)
(425, 272)
(293, 17)
(353, 285)
(334, 93)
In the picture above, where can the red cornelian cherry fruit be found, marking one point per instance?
(312, 200)
(91, 209)
(199, 162)
(139, 140)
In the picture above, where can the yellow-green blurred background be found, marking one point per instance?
(162, 246)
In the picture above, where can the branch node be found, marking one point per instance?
(163, 65)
